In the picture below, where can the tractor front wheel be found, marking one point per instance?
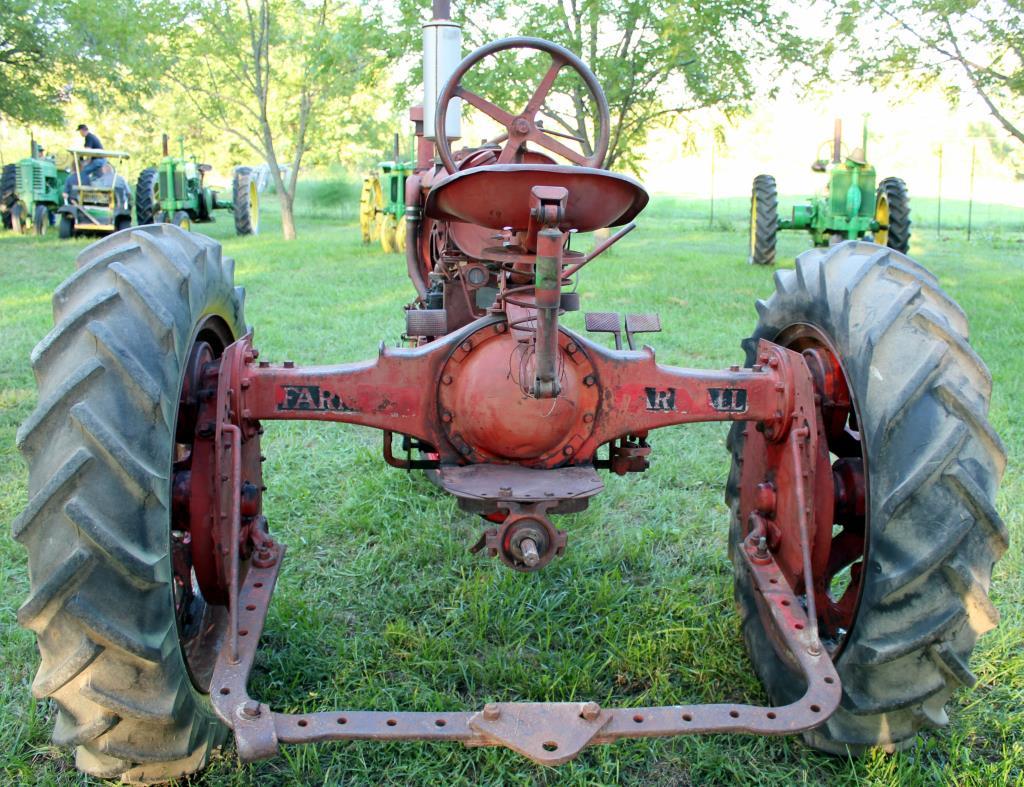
(764, 220)
(125, 638)
(892, 212)
(388, 226)
(41, 219)
(19, 217)
(183, 220)
(903, 403)
(245, 199)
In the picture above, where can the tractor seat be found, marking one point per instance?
(498, 196)
(205, 167)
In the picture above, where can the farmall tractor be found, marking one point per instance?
(850, 209)
(30, 192)
(862, 532)
(382, 203)
(174, 192)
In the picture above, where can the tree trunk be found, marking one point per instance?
(287, 214)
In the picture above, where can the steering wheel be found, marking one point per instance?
(524, 126)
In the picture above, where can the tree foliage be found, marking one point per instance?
(656, 60)
(966, 46)
(270, 74)
(107, 54)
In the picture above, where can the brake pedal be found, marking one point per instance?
(605, 322)
(641, 323)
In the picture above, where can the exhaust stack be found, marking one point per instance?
(442, 51)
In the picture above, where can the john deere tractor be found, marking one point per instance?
(851, 208)
(98, 203)
(382, 203)
(30, 192)
(174, 192)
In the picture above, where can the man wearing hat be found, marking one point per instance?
(95, 165)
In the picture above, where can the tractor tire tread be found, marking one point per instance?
(98, 448)
(934, 465)
(765, 198)
(899, 213)
(146, 205)
(244, 224)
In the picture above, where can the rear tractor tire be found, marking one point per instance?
(764, 220)
(892, 210)
(66, 227)
(927, 536)
(400, 236)
(245, 198)
(147, 196)
(8, 191)
(105, 599)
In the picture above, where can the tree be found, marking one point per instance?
(109, 54)
(656, 59)
(967, 46)
(268, 73)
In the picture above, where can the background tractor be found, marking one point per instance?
(97, 205)
(862, 530)
(30, 192)
(851, 207)
(382, 203)
(174, 192)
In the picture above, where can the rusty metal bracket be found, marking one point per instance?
(547, 733)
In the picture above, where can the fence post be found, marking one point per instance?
(970, 195)
(711, 218)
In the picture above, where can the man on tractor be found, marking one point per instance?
(95, 165)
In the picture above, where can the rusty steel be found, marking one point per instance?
(498, 196)
(547, 733)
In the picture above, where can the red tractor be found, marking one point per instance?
(863, 531)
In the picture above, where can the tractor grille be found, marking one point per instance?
(165, 191)
(180, 191)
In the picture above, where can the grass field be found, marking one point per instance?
(380, 605)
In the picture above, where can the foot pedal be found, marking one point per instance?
(641, 323)
(605, 322)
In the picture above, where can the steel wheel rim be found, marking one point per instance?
(840, 614)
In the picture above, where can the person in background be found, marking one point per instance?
(96, 164)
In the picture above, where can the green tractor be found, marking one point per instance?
(98, 203)
(174, 192)
(382, 203)
(851, 208)
(30, 192)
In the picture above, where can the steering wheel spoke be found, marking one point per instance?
(491, 110)
(542, 138)
(537, 99)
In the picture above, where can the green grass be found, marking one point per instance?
(380, 605)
